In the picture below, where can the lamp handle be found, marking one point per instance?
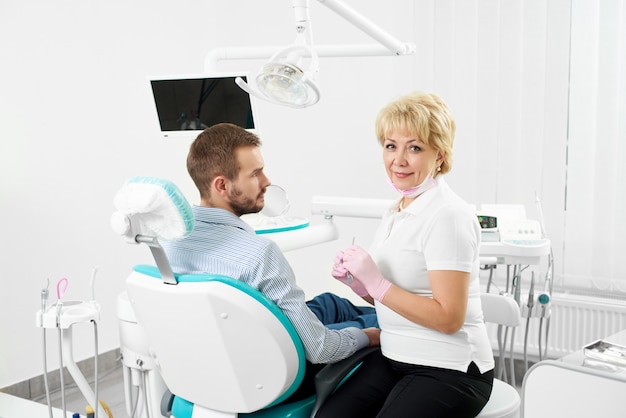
(294, 47)
(253, 92)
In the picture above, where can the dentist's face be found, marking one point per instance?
(247, 192)
(408, 160)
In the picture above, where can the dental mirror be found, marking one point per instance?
(276, 201)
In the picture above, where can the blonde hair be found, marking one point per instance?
(424, 116)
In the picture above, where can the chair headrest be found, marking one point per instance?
(153, 207)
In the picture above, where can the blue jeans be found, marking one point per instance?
(336, 312)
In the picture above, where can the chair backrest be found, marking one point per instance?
(505, 401)
(500, 309)
(217, 342)
(503, 311)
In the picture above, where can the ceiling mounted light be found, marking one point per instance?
(282, 80)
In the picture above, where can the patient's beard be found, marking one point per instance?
(241, 204)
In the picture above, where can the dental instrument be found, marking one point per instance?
(530, 303)
(61, 288)
(349, 275)
(531, 295)
(545, 301)
(545, 296)
(44, 307)
(92, 283)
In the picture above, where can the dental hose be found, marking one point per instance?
(540, 350)
(95, 336)
(45, 374)
(136, 404)
(91, 412)
(44, 306)
(526, 343)
(550, 280)
(60, 331)
(545, 349)
(539, 342)
(145, 394)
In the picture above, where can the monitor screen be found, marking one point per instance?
(187, 105)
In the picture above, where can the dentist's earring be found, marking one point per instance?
(439, 168)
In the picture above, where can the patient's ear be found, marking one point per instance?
(219, 185)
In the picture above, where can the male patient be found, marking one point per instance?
(226, 164)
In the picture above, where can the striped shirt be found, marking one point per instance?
(222, 243)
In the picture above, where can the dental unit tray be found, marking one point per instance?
(606, 351)
(272, 224)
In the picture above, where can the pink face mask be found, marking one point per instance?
(412, 192)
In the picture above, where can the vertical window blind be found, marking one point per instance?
(538, 90)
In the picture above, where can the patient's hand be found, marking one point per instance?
(374, 335)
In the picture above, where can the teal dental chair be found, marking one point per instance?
(221, 347)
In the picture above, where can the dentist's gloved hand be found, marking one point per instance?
(340, 273)
(358, 262)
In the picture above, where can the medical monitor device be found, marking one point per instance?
(186, 105)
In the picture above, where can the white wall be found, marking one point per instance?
(77, 120)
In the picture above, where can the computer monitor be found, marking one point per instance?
(185, 105)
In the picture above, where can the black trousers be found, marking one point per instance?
(336, 313)
(381, 387)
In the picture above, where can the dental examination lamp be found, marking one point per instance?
(283, 80)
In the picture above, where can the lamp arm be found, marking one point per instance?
(387, 44)
(237, 53)
(303, 20)
(369, 27)
(264, 52)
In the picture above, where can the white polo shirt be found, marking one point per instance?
(438, 231)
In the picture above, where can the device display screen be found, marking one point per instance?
(194, 104)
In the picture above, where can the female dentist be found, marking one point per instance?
(422, 272)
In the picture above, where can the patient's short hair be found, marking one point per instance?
(212, 154)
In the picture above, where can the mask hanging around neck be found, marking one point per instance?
(413, 192)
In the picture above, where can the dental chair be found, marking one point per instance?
(221, 347)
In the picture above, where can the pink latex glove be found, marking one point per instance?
(340, 273)
(358, 262)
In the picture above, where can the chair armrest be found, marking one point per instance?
(332, 375)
